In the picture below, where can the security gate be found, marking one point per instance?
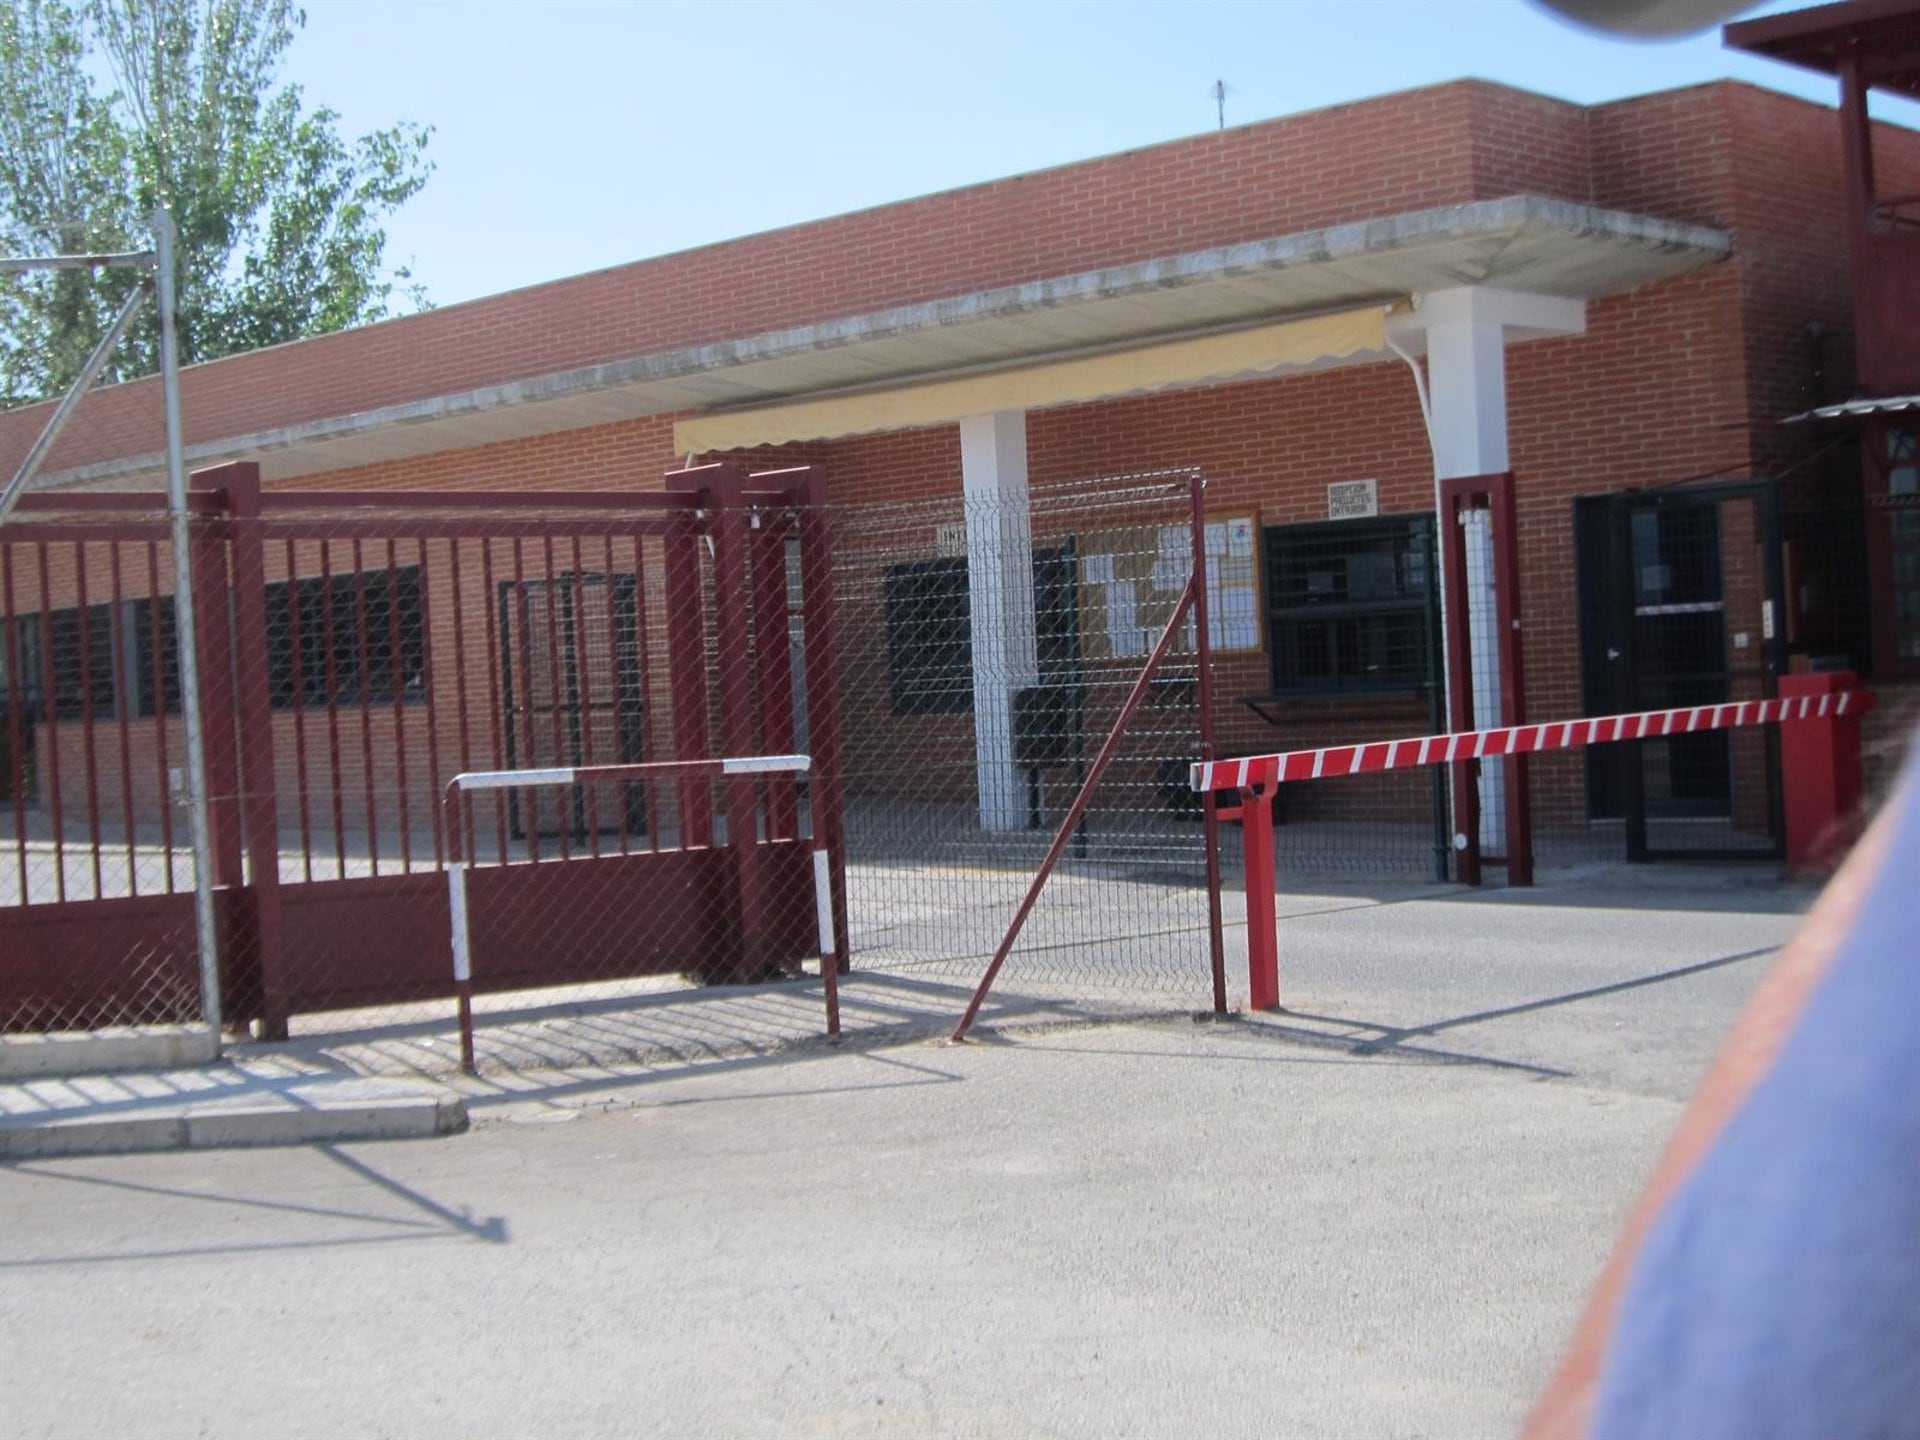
(1681, 604)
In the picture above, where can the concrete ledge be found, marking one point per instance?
(47, 1120)
(103, 1052)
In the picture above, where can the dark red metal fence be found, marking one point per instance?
(358, 649)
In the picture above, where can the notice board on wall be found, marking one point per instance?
(1131, 579)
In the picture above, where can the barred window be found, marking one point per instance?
(347, 639)
(1350, 605)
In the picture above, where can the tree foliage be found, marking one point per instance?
(110, 108)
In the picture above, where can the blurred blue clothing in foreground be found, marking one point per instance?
(1778, 1292)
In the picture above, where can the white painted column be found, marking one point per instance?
(1466, 332)
(993, 471)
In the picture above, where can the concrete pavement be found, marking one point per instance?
(1376, 1214)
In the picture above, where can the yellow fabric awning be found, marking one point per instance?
(1163, 366)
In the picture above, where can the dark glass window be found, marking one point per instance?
(1350, 605)
(156, 657)
(82, 646)
(930, 638)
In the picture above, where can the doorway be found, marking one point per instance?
(1680, 604)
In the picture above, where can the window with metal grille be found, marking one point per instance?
(1350, 605)
(347, 639)
(85, 662)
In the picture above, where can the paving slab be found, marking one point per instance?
(215, 1107)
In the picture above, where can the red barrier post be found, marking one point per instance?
(1820, 772)
(1263, 938)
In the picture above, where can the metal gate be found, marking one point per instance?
(1681, 605)
(357, 651)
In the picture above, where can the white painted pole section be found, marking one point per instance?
(993, 473)
(767, 765)
(457, 905)
(508, 779)
(823, 907)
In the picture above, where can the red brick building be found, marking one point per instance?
(1613, 300)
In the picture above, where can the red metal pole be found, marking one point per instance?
(827, 797)
(1209, 805)
(17, 727)
(773, 664)
(687, 669)
(1263, 939)
(50, 719)
(254, 699)
(732, 630)
(1080, 802)
(161, 670)
(214, 643)
(85, 636)
(363, 702)
(123, 632)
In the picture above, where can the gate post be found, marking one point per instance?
(1495, 495)
(722, 487)
(687, 666)
(1513, 675)
(258, 800)
(1263, 933)
(1820, 772)
(213, 646)
(773, 664)
(823, 692)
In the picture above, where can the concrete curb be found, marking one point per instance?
(105, 1052)
(249, 1112)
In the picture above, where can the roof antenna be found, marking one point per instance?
(1219, 92)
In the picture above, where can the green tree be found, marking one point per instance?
(109, 108)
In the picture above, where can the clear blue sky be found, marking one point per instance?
(571, 136)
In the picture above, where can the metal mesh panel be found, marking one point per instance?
(976, 703)
(96, 866)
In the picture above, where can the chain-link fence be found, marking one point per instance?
(96, 862)
(989, 644)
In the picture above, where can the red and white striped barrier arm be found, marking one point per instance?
(1518, 740)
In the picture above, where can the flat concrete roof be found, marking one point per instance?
(1520, 242)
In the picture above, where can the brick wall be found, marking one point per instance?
(1680, 379)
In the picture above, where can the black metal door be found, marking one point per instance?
(1681, 605)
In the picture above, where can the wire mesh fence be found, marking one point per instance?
(96, 861)
(989, 644)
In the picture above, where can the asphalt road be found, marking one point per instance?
(1375, 1215)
